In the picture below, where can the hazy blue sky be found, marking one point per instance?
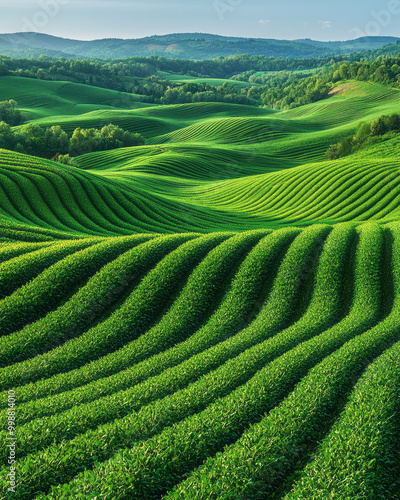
(90, 19)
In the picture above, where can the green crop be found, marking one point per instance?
(213, 315)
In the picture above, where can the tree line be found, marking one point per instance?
(113, 71)
(139, 75)
(282, 88)
(382, 128)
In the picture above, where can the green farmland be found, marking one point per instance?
(212, 315)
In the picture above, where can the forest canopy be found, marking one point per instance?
(277, 83)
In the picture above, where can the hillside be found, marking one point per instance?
(206, 166)
(182, 45)
(41, 99)
(214, 314)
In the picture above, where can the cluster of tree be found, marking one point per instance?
(199, 92)
(9, 113)
(382, 128)
(265, 78)
(89, 72)
(228, 67)
(66, 160)
(287, 91)
(385, 70)
(109, 137)
(284, 87)
(50, 142)
(282, 90)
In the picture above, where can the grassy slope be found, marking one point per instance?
(206, 166)
(197, 342)
(42, 99)
(157, 353)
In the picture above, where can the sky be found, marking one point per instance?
(282, 19)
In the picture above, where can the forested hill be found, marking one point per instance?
(182, 45)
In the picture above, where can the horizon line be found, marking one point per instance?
(196, 33)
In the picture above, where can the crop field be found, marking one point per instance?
(178, 78)
(40, 99)
(213, 315)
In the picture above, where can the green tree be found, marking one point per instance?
(57, 141)
(363, 131)
(6, 136)
(35, 138)
(66, 160)
(378, 126)
(394, 122)
(9, 113)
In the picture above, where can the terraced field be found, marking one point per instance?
(214, 315)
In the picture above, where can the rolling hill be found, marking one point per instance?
(182, 45)
(212, 315)
(206, 166)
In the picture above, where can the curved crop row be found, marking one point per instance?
(367, 433)
(269, 450)
(290, 269)
(19, 270)
(139, 310)
(51, 288)
(155, 464)
(241, 302)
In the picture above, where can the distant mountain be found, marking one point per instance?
(182, 45)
